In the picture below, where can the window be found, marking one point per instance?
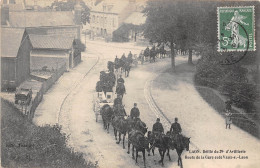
(97, 19)
(114, 23)
(93, 19)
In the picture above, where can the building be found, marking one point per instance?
(108, 15)
(15, 57)
(135, 22)
(59, 28)
(50, 52)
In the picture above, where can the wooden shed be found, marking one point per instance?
(15, 57)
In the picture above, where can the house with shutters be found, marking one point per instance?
(108, 15)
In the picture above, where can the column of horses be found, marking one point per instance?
(113, 112)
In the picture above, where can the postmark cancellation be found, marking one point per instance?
(236, 29)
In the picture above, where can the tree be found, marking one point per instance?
(186, 24)
(159, 27)
(69, 6)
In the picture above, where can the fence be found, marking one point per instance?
(50, 81)
(246, 121)
(45, 87)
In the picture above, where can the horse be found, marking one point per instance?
(107, 114)
(162, 143)
(122, 126)
(179, 143)
(139, 143)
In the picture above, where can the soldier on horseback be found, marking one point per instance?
(146, 52)
(157, 130)
(134, 112)
(152, 54)
(176, 130)
(123, 58)
(120, 80)
(175, 127)
(116, 60)
(120, 90)
(158, 127)
(130, 57)
(141, 56)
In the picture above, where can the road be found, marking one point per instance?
(73, 96)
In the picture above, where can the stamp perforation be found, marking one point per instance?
(218, 29)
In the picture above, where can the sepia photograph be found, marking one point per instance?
(130, 83)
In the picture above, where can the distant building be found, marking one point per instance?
(52, 52)
(108, 15)
(135, 22)
(51, 33)
(15, 57)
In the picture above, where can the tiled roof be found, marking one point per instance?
(36, 18)
(11, 39)
(51, 42)
(136, 18)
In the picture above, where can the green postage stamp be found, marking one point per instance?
(236, 28)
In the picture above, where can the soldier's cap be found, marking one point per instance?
(158, 119)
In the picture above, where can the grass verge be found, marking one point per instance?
(237, 118)
(24, 144)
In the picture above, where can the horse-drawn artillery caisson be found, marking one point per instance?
(103, 98)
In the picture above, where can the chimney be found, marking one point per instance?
(77, 13)
(132, 1)
(4, 14)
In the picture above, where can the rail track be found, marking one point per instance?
(159, 113)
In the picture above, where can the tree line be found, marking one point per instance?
(193, 26)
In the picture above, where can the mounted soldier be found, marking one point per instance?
(120, 90)
(175, 127)
(120, 80)
(120, 110)
(152, 54)
(139, 125)
(130, 57)
(176, 130)
(116, 60)
(157, 130)
(141, 57)
(147, 52)
(123, 58)
(134, 112)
